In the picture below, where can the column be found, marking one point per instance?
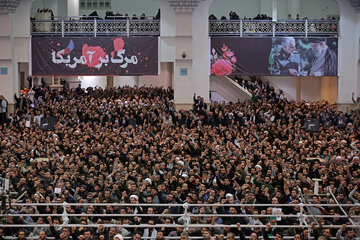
(73, 8)
(348, 54)
(109, 81)
(274, 10)
(191, 69)
(183, 84)
(329, 89)
(298, 89)
(201, 51)
(8, 66)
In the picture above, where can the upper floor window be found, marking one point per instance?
(95, 4)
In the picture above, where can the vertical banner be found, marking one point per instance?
(95, 55)
(30, 57)
(287, 56)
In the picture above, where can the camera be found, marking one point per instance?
(183, 54)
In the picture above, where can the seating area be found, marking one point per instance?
(209, 120)
(130, 146)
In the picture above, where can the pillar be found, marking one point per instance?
(191, 73)
(201, 50)
(73, 8)
(8, 73)
(183, 84)
(298, 89)
(348, 54)
(329, 89)
(109, 81)
(274, 10)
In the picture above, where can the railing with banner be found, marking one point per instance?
(77, 26)
(302, 219)
(274, 28)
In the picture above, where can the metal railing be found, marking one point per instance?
(274, 28)
(304, 217)
(78, 26)
(73, 26)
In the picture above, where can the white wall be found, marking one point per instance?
(149, 7)
(287, 84)
(311, 88)
(314, 9)
(93, 81)
(282, 9)
(21, 19)
(5, 47)
(165, 79)
(120, 81)
(62, 8)
(318, 9)
(200, 51)
(38, 4)
(6, 81)
(244, 8)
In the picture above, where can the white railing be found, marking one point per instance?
(95, 27)
(70, 26)
(303, 216)
(274, 28)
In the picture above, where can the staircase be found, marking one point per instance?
(228, 89)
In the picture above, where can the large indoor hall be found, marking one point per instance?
(180, 119)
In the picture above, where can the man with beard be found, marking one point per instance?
(325, 59)
(287, 61)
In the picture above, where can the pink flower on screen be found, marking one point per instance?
(224, 48)
(233, 59)
(221, 67)
(118, 44)
(228, 54)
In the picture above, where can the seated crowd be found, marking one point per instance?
(110, 15)
(130, 145)
(235, 16)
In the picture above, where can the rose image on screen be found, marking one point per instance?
(224, 64)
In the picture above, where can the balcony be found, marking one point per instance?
(94, 27)
(130, 27)
(243, 28)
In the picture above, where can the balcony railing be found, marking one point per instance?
(304, 216)
(271, 28)
(95, 27)
(130, 27)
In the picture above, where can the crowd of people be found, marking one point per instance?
(235, 16)
(110, 15)
(130, 145)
